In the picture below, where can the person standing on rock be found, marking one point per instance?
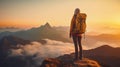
(77, 28)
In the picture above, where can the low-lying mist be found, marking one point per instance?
(36, 52)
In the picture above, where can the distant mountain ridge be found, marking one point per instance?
(61, 33)
(11, 42)
(37, 34)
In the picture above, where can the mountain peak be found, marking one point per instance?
(47, 25)
(105, 46)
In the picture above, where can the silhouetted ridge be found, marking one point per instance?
(104, 47)
(107, 56)
(12, 40)
(47, 25)
(43, 27)
(104, 50)
(39, 33)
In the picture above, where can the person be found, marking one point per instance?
(77, 37)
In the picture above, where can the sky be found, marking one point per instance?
(101, 14)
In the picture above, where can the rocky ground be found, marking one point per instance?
(68, 61)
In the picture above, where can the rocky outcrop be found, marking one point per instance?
(67, 61)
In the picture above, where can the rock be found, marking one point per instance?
(67, 61)
(51, 62)
(86, 63)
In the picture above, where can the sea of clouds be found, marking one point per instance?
(37, 52)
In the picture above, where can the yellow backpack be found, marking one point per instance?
(80, 25)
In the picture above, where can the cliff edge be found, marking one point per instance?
(67, 61)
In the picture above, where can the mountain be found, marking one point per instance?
(6, 33)
(104, 50)
(6, 44)
(37, 34)
(61, 33)
(11, 29)
(47, 25)
(11, 42)
(105, 55)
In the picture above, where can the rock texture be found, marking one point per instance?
(67, 61)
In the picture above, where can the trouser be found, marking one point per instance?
(78, 46)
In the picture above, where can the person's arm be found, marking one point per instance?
(71, 27)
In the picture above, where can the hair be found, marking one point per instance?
(77, 10)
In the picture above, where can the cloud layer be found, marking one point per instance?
(38, 51)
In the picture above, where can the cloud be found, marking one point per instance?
(93, 43)
(51, 48)
(11, 29)
(38, 51)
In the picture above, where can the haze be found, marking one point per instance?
(102, 15)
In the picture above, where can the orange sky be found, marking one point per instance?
(27, 13)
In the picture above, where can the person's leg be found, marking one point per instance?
(80, 47)
(76, 46)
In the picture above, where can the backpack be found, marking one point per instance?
(80, 24)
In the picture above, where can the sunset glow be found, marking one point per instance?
(27, 13)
